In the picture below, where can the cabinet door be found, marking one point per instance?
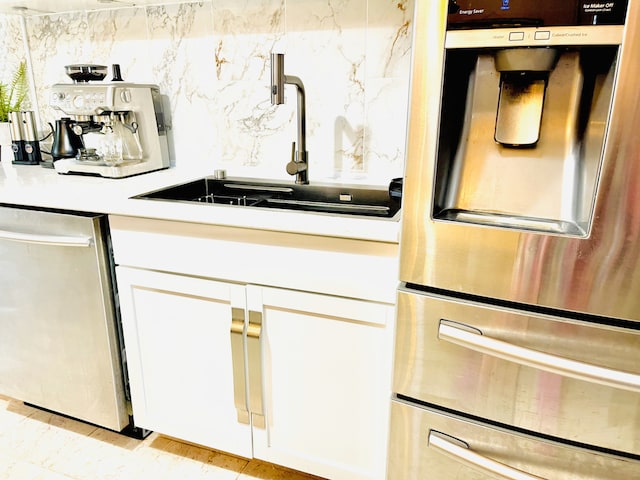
(326, 365)
(179, 353)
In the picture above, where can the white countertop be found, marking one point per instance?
(32, 185)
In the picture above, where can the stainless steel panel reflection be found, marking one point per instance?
(575, 404)
(418, 435)
(597, 274)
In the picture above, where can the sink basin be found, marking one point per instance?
(247, 192)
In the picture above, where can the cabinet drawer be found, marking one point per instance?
(567, 378)
(426, 444)
(335, 266)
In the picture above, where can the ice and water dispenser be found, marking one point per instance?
(523, 118)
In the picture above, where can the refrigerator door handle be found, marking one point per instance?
(460, 451)
(472, 338)
(53, 240)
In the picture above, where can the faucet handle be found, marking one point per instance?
(294, 167)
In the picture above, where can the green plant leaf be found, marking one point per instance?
(14, 94)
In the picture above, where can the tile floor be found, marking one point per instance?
(38, 445)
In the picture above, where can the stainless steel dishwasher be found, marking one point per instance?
(59, 334)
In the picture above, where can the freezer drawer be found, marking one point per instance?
(426, 444)
(567, 378)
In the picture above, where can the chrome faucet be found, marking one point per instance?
(298, 165)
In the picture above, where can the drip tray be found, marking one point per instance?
(545, 225)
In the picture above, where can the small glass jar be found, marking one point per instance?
(111, 147)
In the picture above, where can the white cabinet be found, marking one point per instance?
(297, 378)
(176, 333)
(326, 392)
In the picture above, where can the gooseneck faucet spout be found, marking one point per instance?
(298, 165)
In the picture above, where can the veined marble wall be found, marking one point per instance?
(211, 60)
(11, 46)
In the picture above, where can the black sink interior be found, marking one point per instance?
(350, 200)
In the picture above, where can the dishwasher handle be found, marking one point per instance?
(42, 239)
(459, 450)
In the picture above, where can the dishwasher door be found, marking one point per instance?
(59, 342)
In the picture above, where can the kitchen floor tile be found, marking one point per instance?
(266, 471)
(27, 471)
(40, 445)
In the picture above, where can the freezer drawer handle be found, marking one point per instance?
(473, 339)
(460, 451)
(54, 240)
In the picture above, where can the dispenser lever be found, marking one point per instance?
(519, 111)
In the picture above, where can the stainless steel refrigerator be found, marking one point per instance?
(518, 326)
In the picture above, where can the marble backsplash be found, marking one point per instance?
(211, 61)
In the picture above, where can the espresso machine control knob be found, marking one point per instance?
(125, 95)
(78, 101)
(57, 98)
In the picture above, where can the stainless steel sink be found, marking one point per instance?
(247, 192)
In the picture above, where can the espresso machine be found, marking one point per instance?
(110, 129)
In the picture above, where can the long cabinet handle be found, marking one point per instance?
(239, 366)
(54, 240)
(472, 338)
(460, 451)
(254, 355)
